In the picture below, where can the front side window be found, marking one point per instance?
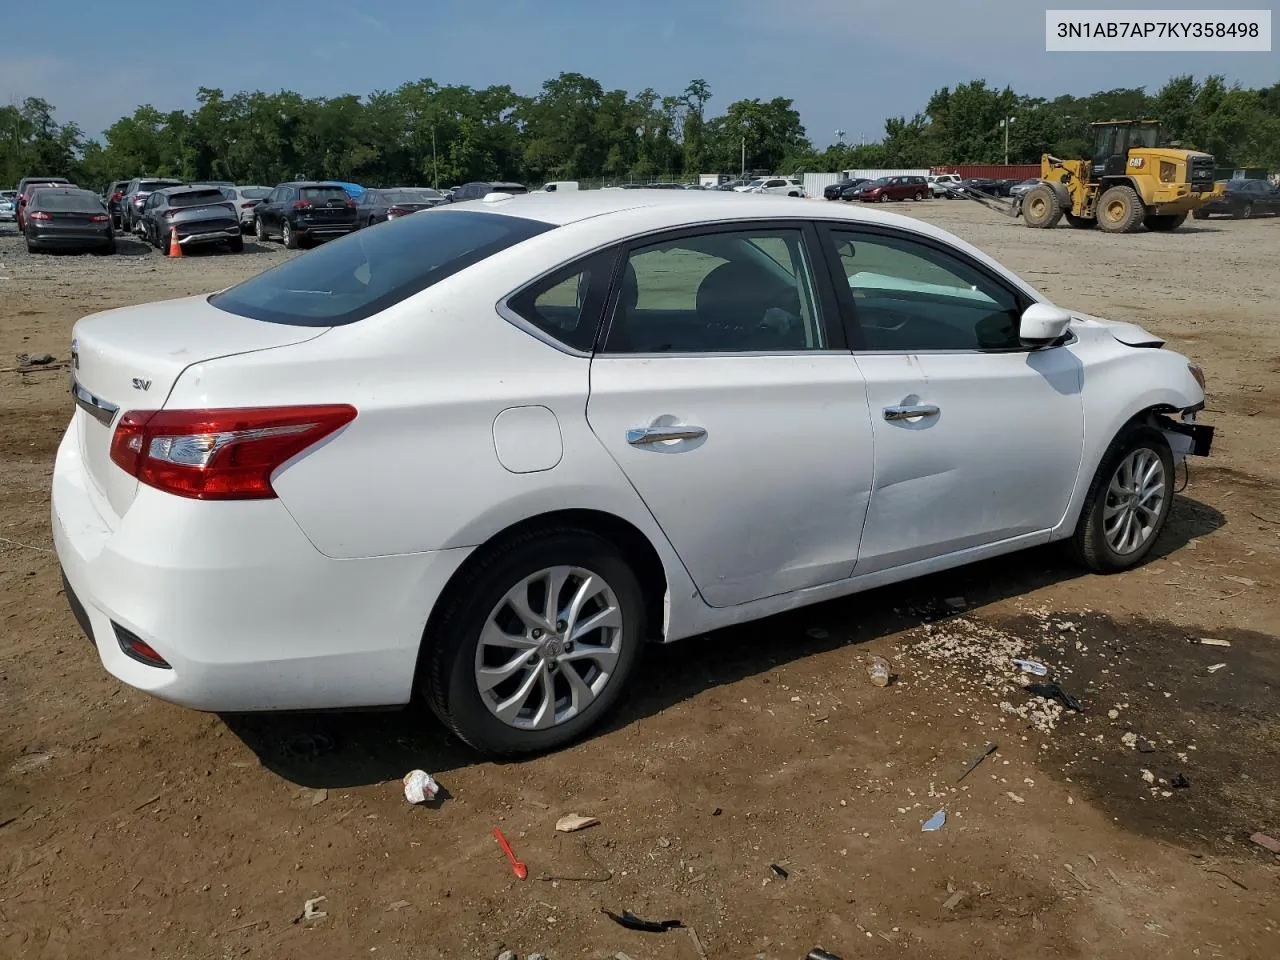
(910, 297)
(731, 292)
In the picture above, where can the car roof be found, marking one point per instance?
(312, 183)
(678, 207)
(180, 189)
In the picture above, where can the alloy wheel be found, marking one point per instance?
(549, 648)
(1135, 501)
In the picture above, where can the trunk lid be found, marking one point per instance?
(129, 359)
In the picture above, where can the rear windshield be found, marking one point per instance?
(411, 196)
(254, 193)
(158, 184)
(196, 198)
(77, 202)
(322, 193)
(364, 273)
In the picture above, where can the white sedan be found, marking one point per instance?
(488, 452)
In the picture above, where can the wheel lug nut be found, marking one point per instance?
(537, 634)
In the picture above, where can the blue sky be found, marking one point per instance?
(846, 63)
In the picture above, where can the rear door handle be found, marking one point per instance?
(642, 436)
(913, 412)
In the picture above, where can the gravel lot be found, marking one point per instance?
(131, 828)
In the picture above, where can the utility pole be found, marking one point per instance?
(1005, 123)
(743, 173)
(435, 169)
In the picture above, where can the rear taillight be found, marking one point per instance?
(115, 197)
(220, 454)
(302, 204)
(396, 212)
(40, 215)
(350, 204)
(248, 203)
(99, 218)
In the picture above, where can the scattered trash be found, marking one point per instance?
(535, 956)
(817, 633)
(632, 922)
(879, 671)
(1243, 581)
(1031, 666)
(1148, 776)
(508, 955)
(1051, 691)
(716, 812)
(1210, 642)
(664, 842)
(955, 603)
(1267, 843)
(572, 822)
(398, 905)
(1145, 745)
(1180, 782)
(617, 956)
(1216, 667)
(39, 360)
(953, 901)
(1014, 797)
(817, 953)
(419, 787)
(935, 822)
(1079, 879)
(318, 797)
(778, 871)
(309, 911)
(973, 764)
(520, 869)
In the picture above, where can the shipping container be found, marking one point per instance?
(991, 171)
(815, 183)
(870, 174)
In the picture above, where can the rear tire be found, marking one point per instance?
(236, 244)
(259, 230)
(453, 655)
(1120, 210)
(287, 236)
(1115, 495)
(1200, 214)
(1244, 212)
(1040, 208)
(31, 247)
(918, 196)
(1080, 223)
(1164, 222)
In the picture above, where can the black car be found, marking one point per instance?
(992, 188)
(849, 188)
(1243, 199)
(304, 212)
(112, 197)
(376, 206)
(135, 196)
(478, 189)
(68, 218)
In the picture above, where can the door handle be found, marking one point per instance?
(913, 412)
(642, 436)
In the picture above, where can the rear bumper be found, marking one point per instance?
(42, 237)
(248, 614)
(212, 236)
(324, 229)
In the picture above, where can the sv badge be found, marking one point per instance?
(140, 384)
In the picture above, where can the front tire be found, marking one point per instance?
(287, 235)
(1120, 210)
(236, 244)
(1040, 208)
(918, 196)
(506, 677)
(259, 230)
(1244, 212)
(1128, 501)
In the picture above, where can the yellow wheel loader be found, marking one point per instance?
(1128, 183)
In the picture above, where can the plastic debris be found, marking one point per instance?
(419, 786)
(632, 922)
(309, 911)
(572, 822)
(817, 953)
(973, 764)
(953, 901)
(1216, 667)
(1267, 843)
(778, 872)
(1031, 666)
(508, 955)
(1051, 691)
(879, 671)
(1210, 642)
(519, 868)
(935, 822)
(1014, 797)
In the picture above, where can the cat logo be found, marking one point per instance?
(1136, 161)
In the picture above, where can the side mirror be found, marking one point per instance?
(1041, 324)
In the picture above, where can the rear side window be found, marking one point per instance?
(322, 193)
(254, 193)
(566, 305)
(364, 273)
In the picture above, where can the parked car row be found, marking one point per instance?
(1243, 200)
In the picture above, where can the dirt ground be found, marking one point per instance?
(131, 828)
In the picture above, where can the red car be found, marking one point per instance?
(25, 188)
(893, 188)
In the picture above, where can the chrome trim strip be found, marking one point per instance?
(96, 407)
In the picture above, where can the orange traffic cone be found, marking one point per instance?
(175, 248)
